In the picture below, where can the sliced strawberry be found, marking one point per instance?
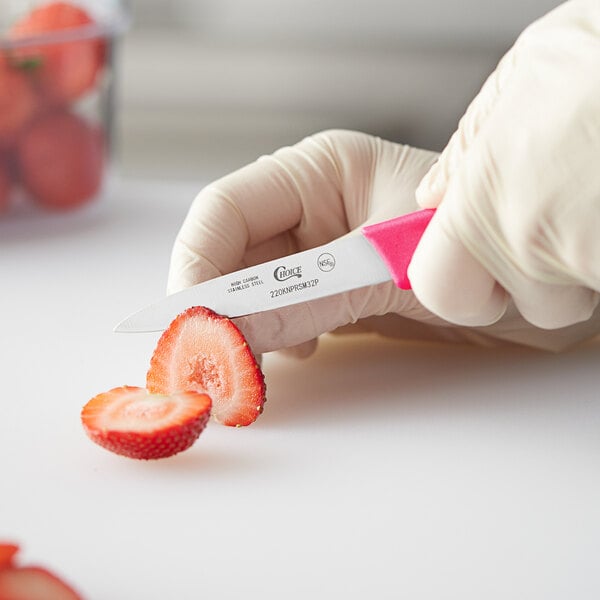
(34, 583)
(129, 421)
(18, 102)
(206, 352)
(60, 158)
(7, 554)
(64, 71)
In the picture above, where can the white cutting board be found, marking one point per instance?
(378, 469)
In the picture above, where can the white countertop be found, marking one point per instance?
(378, 469)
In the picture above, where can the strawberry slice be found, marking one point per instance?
(64, 71)
(129, 421)
(7, 554)
(34, 583)
(206, 352)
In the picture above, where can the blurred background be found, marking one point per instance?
(208, 85)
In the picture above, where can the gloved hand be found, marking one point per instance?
(303, 196)
(518, 186)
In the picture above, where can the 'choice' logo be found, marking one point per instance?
(282, 273)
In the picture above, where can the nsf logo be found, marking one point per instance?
(326, 262)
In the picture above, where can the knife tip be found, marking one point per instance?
(127, 326)
(122, 328)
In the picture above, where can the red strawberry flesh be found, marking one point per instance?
(206, 352)
(132, 422)
(7, 554)
(33, 583)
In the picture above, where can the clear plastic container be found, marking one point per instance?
(57, 100)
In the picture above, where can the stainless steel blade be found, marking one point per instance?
(345, 264)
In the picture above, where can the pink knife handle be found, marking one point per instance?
(396, 240)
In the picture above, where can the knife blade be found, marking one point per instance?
(376, 254)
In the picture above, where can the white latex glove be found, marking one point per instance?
(518, 186)
(306, 195)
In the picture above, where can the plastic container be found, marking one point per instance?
(57, 108)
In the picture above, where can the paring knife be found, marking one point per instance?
(382, 253)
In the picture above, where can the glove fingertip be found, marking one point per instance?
(555, 307)
(180, 280)
(431, 189)
(452, 284)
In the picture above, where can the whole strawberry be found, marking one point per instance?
(5, 186)
(64, 70)
(60, 159)
(18, 102)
